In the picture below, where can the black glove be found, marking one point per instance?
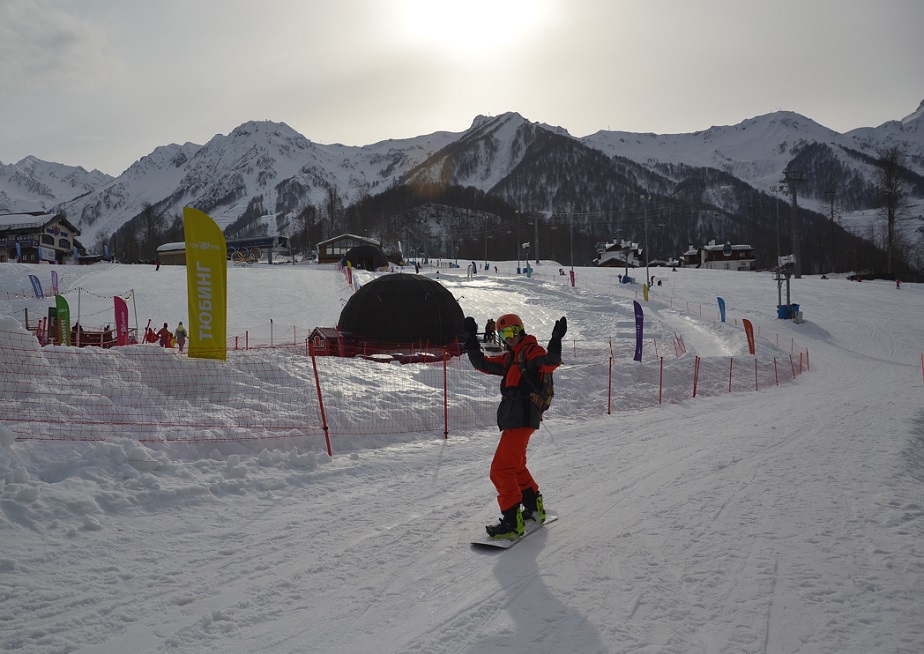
(559, 330)
(471, 334)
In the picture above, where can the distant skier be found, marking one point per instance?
(181, 334)
(517, 416)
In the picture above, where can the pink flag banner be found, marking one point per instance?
(121, 321)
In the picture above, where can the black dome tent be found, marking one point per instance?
(366, 257)
(403, 309)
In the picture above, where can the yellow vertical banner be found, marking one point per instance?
(207, 285)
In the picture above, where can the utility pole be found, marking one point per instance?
(647, 256)
(486, 241)
(792, 179)
(518, 241)
(536, 239)
(830, 194)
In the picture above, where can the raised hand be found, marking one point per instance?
(560, 328)
(471, 334)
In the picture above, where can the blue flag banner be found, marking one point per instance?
(36, 286)
(721, 308)
(18, 251)
(639, 325)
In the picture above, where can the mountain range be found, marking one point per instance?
(723, 182)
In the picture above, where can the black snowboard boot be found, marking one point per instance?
(510, 526)
(532, 506)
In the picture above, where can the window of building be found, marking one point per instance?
(48, 239)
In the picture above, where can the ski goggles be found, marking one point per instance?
(510, 332)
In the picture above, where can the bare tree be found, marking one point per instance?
(893, 188)
(305, 229)
(333, 203)
(152, 227)
(100, 242)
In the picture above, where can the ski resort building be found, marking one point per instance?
(720, 257)
(38, 237)
(172, 254)
(619, 253)
(335, 249)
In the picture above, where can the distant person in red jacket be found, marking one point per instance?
(164, 336)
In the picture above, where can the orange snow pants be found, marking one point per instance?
(508, 470)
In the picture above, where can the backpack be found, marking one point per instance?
(542, 394)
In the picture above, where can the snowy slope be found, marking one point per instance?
(789, 520)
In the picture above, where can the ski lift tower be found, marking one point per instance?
(784, 272)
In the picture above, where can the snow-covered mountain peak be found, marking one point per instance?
(34, 184)
(917, 116)
(265, 167)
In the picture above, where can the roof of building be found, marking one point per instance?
(343, 236)
(33, 220)
(719, 248)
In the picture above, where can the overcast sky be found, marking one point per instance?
(101, 83)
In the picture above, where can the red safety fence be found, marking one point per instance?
(152, 394)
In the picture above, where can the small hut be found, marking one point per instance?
(325, 341)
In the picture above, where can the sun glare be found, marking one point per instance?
(470, 27)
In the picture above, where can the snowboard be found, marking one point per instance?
(485, 541)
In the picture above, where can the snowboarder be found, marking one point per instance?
(517, 416)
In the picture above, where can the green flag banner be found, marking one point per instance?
(63, 311)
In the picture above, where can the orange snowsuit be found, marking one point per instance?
(517, 416)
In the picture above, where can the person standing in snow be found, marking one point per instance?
(518, 416)
(164, 336)
(490, 333)
(181, 336)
